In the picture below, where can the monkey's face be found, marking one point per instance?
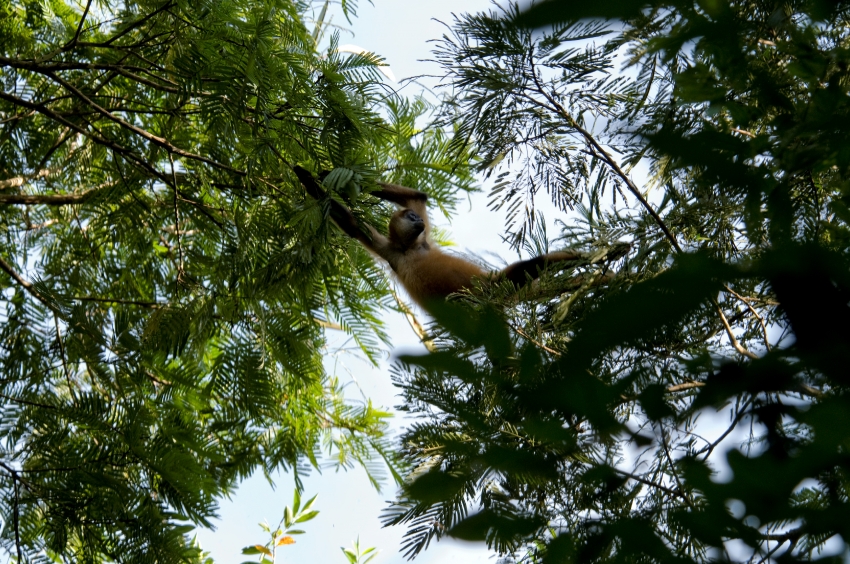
(405, 227)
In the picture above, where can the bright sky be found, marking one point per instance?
(399, 30)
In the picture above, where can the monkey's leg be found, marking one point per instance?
(519, 273)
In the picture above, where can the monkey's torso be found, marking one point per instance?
(429, 274)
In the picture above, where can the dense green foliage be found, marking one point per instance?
(165, 278)
(679, 396)
(696, 407)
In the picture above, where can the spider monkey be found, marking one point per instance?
(427, 273)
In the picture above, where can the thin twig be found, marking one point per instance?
(133, 26)
(17, 473)
(15, 479)
(414, 324)
(73, 42)
(651, 483)
(63, 137)
(25, 402)
(771, 551)
(42, 109)
(123, 70)
(533, 342)
(754, 312)
(735, 344)
(609, 160)
(64, 362)
(159, 141)
(710, 448)
(685, 386)
(673, 465)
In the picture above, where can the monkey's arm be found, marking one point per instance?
(342, 216)
(519, 273)
(400, 195)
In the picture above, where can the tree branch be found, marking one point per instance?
(19, 181)
(539, 345)
(708, 449)
(652, 484)
(159, 141)
(735, 344)
(25, 402)
(70, 44)
(26, 285)
(414, 324)
(64, 363)
(42, 109)
(684, 386)
(123, 70)
(51, 200)
(152, 305)
(754, 312)
(15, 479)
(132, 26)
(609, 160)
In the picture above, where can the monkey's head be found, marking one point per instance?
(405, 227)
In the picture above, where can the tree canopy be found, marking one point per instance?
(166, 278)
(677, 396)
(694, 408)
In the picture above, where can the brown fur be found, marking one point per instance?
(432, 274)
(425, 271)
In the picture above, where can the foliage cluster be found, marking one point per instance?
(695, 408)
(166, 281)
(282, 534)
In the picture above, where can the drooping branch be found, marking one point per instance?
(601, 152)
(156, 140)
(123, 151)
(609, 160)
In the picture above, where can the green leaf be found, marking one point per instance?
(338, 178)
(296, 501)
(306, 516)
